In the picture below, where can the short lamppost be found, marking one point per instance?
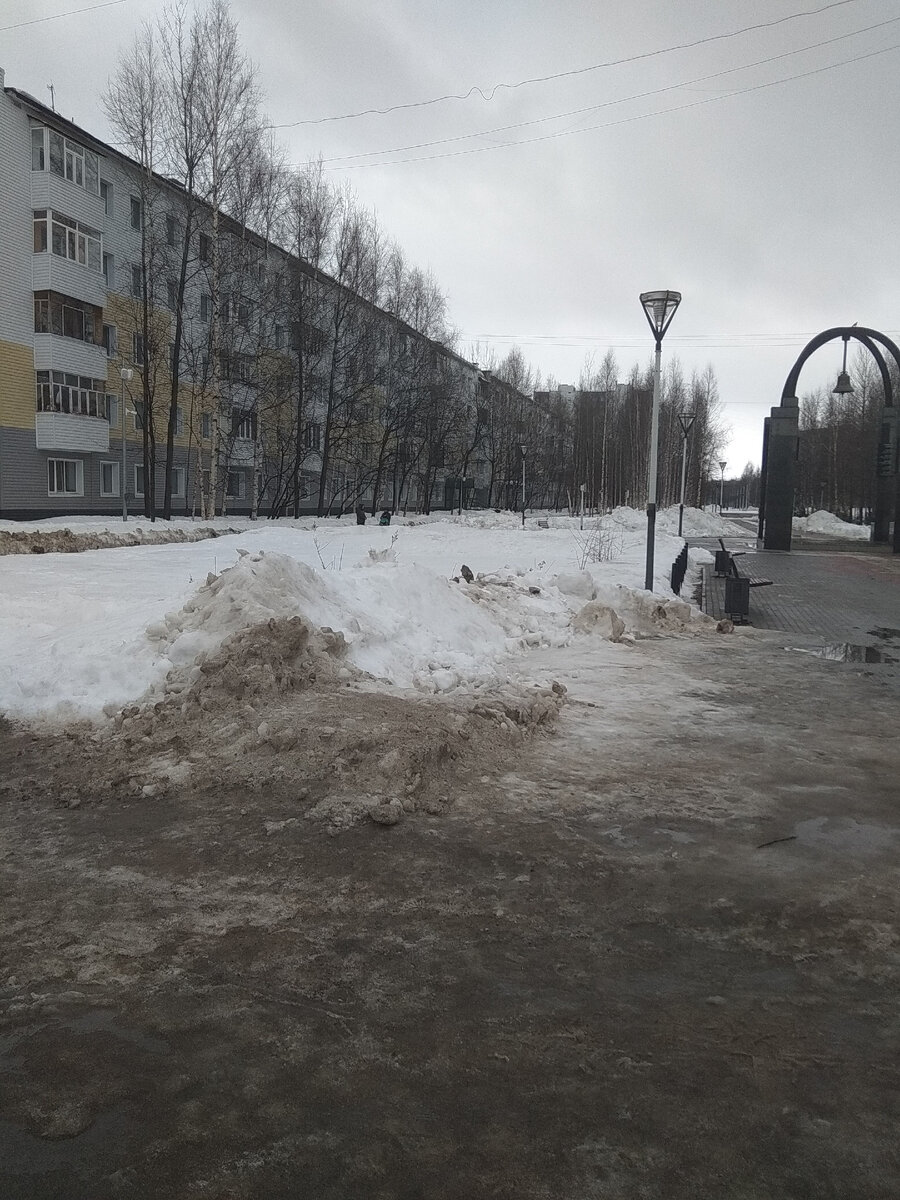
(686, 420)
(127, 375)
(722, 465)
(462, 488)
(522, 452)
(659, 309)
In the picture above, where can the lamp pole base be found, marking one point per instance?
(651, 540)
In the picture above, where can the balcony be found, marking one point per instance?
(55, 353)
(50, 272)
(49, 190)
(242, 452)
(68, 431)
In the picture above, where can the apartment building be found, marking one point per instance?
(82, 307)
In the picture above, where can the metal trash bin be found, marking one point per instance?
(737, 598)
(723, 562)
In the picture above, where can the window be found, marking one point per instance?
(172, 358)
(41, 316)
(135, 213)
(234, 486)
(60, 391)
(313, 339)
(178, 482)
(205, 425)
(204, 247)
(68, 238)
(137, 348)
(136, 281)
(37, 148)
(179, 421)
(109, 270)
(280, 337)
(40, 230)
(65, 477)
(110, 340)
(171, 294)
(65, 317)
(138, 479)
(71, 161)
(243, 424)
(112, 408)
(57, 152)
(138, 416)
(170, 229)
(109, 479)
(205, 306)
(312, 436)
(106, 195)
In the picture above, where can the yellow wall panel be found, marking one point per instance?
(17, 388)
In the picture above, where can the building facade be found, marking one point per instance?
(128, 364)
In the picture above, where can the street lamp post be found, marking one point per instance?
(686, 420)
(722, 465)
(522, 449)
(126, 374)
(659, 309)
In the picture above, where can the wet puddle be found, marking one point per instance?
(847, 652)
(847, 834)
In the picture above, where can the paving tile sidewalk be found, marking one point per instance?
(836, 596)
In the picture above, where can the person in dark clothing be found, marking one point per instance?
(385, 518)
(360, 514)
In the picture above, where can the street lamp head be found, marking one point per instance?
(126, 373)
(686, 420)
(659, 309)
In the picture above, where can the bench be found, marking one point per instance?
(737, 587)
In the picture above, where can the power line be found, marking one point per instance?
(616, 62)
(547, 137)
(689, 340)
(575, 112)
(72, 12)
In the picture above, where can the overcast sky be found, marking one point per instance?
(755, 172)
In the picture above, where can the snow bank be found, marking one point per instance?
(699, 523)
(828, 523)
(83, 633)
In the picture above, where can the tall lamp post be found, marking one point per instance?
(685, 420)
(127, 375)
(722, 465)
(659, 309)
(522, 451)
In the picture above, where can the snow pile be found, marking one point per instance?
(699, 523)
(91, 632)
(827, 523)
(408, 627)
(65, 541)
(275, 708)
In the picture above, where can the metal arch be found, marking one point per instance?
(866, 337)
(780, 444)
